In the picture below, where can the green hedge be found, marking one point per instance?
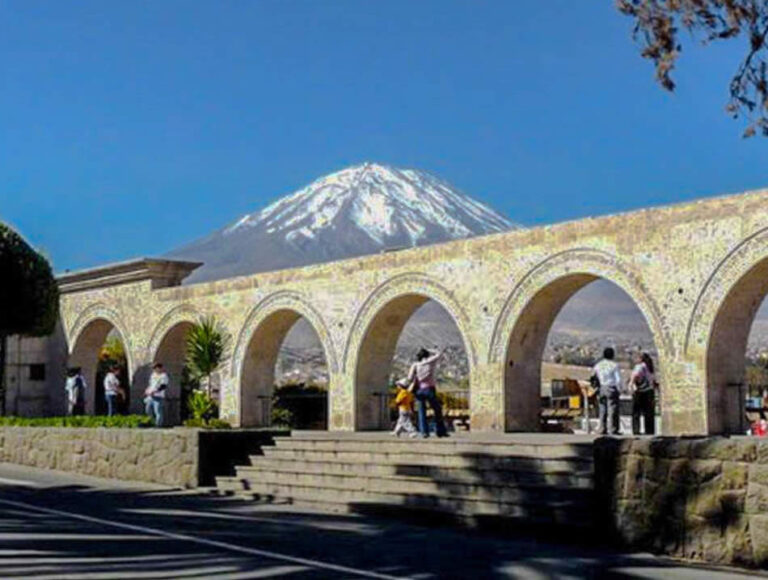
(117, 421)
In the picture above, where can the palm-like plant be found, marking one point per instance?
(207, 344)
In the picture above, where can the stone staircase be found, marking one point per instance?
(530, 479)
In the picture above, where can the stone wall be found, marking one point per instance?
(168, 457)
(173, 457)
(695, 498)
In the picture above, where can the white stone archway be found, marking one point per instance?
(86, 337)
(718, 331)
(258, 346)
(374, 335)
(521, 331)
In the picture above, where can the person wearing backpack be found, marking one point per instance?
(75, 388)
(643, 384)
(154, 395)
(606, 374)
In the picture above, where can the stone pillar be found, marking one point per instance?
(486, 398)
(341, 402)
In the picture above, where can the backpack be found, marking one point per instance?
(642, 383)
(79, 389)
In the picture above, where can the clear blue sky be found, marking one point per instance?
(129, 128)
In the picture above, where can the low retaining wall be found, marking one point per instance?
(695, 498)
(175, 457)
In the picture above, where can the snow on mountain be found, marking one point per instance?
(360, 210)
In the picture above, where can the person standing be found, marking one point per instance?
(608, 376)
(642, 384)
(425, 390)
(75, 388)
(112, 389)
(154, 395)
(404, 404)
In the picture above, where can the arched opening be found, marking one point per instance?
(559, 336)
(284, 377)
(98, 346)
(171, 353)
(388, 348)
(727, 353)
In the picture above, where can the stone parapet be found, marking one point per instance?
(694, 498)
(174, 457)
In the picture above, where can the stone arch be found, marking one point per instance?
(167, 345)
(86, 337)
(258, 346)
(521, 331)
(718, 330)
(184, 313)
(376, 329)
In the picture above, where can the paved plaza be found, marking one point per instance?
(55, 525)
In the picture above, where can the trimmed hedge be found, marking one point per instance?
(116, 421)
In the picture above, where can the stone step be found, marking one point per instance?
(545, 474)
(435, 446)
(414, 456)
(410, 484)
(554, 511)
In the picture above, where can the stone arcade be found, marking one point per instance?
(698, 273)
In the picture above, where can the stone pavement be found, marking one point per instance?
(55, 525)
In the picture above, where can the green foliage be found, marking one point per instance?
(113, 351)
(209, 424)
(206, 347)
(658, 24)
(282, 417)
(28, 287)
(300, 406)
(756, 379)
(201, 406)
(116, 421)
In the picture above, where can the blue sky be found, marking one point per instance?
(129, 128)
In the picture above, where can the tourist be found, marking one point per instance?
(608, 376)
(154, 395)
(404, 404)
(112, 389)
(75, 388)
(422, 372)
(642, 385)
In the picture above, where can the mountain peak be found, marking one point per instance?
(358, 210)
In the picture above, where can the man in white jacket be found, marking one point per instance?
(609, 377)
(154, 395)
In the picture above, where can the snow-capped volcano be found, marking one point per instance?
(360, 210)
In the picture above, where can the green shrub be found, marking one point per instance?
(306, 406)
(282, 417)
(116, 421)
(202, 406)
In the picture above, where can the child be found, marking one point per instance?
(404, 404)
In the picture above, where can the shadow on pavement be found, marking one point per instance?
(42, 545)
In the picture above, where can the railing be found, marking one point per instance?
(455, 406)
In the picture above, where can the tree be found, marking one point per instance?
(29, 296)
(207, 344)
(657, 27)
